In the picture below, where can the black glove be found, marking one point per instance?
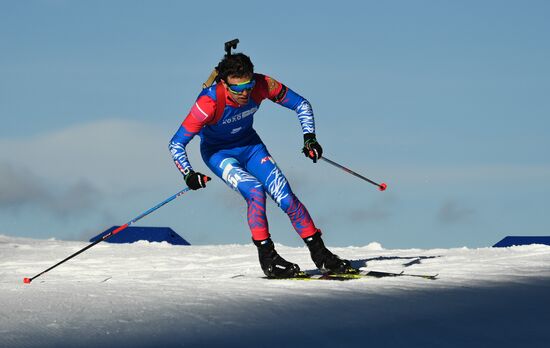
(195, 180)
(312, 148)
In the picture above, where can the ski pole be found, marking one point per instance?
(381, 186)
(110, 234)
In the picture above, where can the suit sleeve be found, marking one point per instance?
(282, 95)
(200, 114)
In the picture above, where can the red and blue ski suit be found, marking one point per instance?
(232, 149)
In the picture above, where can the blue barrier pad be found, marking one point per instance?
(151, 234)
(521, 240)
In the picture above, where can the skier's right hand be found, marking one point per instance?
(196, 180)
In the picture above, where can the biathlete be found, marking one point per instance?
(223, 116)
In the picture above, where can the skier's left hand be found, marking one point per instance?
(312, 148)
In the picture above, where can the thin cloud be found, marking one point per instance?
(113, 155)
(77, 199)
(452, 212)
(378, 211)
(21, 188)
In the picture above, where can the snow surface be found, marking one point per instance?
(155, 294)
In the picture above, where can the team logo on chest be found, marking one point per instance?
(240, 116)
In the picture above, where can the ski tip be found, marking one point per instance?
(27, 280)
(383, 186)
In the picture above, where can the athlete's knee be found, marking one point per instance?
(290, 203)
(252, 192)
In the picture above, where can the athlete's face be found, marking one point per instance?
(243, 96)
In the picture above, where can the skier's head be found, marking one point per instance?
(236, 72)
(235, 65)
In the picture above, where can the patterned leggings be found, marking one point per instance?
(251, 171)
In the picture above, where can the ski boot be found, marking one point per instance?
(273, 265)
(326, 261)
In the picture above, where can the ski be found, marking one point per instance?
(378, 274)
(361, 274)
(324, 276)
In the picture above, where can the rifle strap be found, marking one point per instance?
(220, 102)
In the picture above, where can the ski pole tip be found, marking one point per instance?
(27, 280)
(382, 186)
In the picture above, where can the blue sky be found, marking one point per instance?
(445, 101)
